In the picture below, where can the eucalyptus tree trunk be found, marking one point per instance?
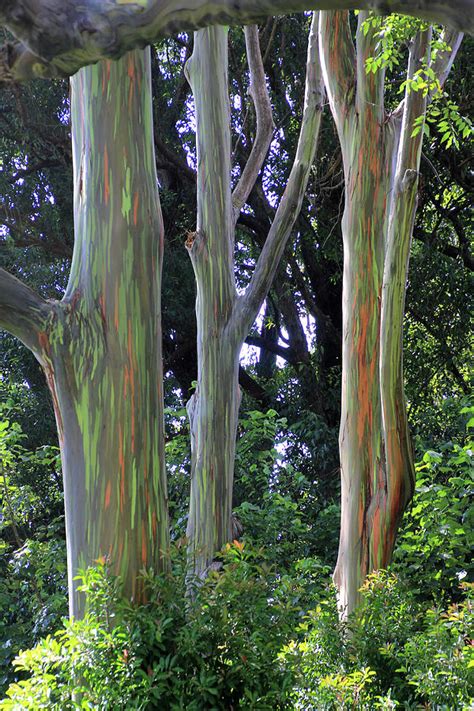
(100, 347)
(381, 160)
(224, 317)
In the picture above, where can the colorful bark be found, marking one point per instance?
(102, 345)
(381, 161)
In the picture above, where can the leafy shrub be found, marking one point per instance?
(435, 543)
(32, 549)
(213, 648)
(391, 653)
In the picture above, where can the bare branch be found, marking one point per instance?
(290, 204)
(448, 250)
(287, 353)
(58, 37)
(22, 312)
(263, 111)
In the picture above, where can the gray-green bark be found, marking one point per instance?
(381, 161)
(100, 347)
(58, 37)
(223, 317)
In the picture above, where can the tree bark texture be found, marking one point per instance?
(58, 37)
(100, 346)
(224, 317)
(381, 161)
(213, 409)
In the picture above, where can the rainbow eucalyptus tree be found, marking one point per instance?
(381, 155)
(224, 317)
(100, 347)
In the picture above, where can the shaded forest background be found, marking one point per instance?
(286, 495)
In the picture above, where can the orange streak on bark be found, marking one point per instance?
(43, 341)
(106, 74)
(108, 491)
(122, 469)
(126, 378)
(135, 208)
(106, 176)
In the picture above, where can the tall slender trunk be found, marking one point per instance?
(223, 317)
(213, 409)
(101, 345)
(381, 160)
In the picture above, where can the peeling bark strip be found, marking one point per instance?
(223, 317)
(381, 162)
(58, 37)
(101, 346)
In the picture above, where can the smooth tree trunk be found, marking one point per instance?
(100, 347)
(213, 409)
(224, 317)
(381, 159)
(58, 37)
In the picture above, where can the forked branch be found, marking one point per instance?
(290, 204)
(263, 112)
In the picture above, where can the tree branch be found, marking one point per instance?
(22, 312)
(263, 111)
(58, 37)
(287, 353)
(448, 250)
(288, 209)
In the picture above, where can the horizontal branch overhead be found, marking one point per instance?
(58, 37)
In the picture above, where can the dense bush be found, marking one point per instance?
(214, 645)
(262, 630)
(392, 653)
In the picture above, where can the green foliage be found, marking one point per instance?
(434, 548)
(278, 506)
(32, 550)
(215, 648)
(391, 653)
